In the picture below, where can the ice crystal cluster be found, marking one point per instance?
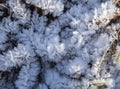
(59, 44)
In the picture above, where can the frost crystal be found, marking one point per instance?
(59, 44)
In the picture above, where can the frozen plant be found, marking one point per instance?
(59, 44)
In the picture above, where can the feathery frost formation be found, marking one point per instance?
(59, 44)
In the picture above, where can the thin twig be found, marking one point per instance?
(4, 6)
(105, 53)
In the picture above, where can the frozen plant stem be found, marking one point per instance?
(105, 53)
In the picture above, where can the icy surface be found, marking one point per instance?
(59, 44)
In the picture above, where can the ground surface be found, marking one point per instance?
(59, 44)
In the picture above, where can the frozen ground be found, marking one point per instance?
(59, 44)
